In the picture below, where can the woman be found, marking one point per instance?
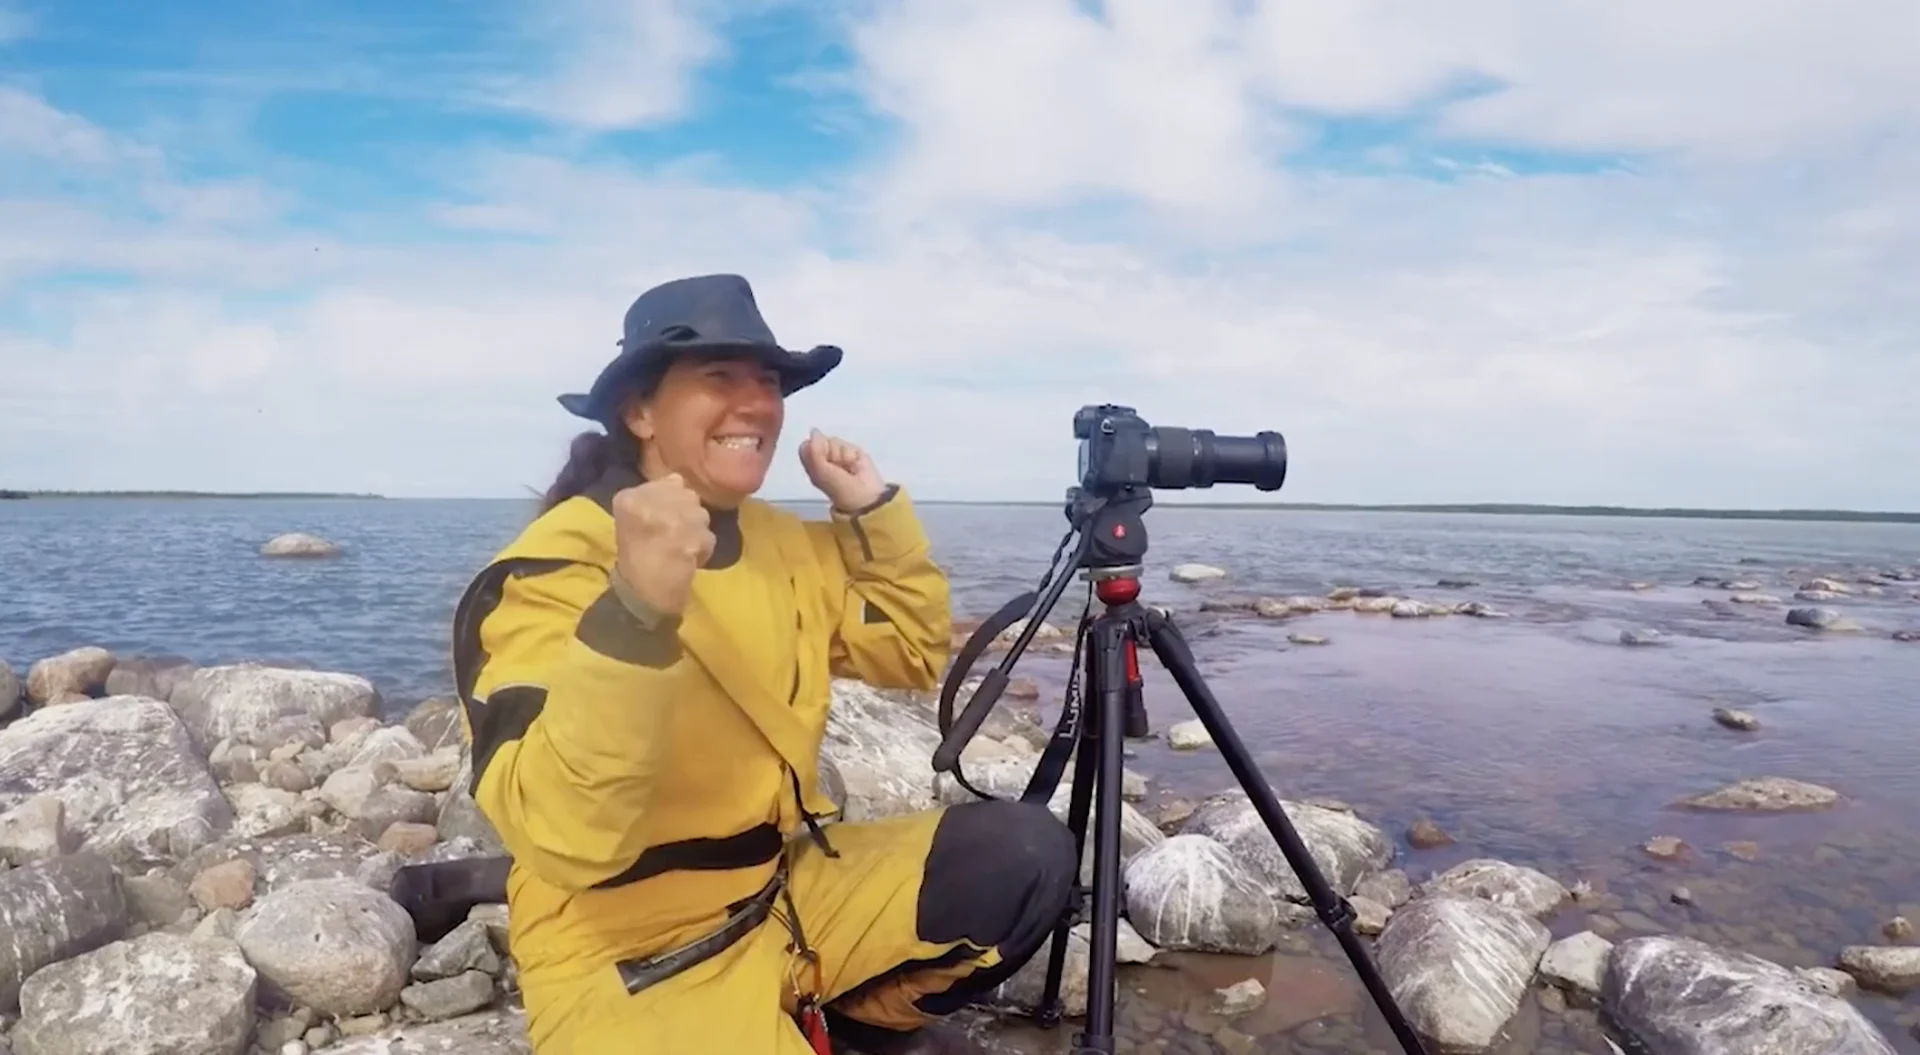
(645, 677)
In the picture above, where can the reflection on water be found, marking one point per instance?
(1539, 739)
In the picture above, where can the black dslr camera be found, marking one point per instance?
(1119, 452)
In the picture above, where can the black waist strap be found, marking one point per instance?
(744, 916)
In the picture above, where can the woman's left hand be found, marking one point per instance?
(842, 472)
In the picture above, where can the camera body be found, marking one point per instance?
(1119, 452)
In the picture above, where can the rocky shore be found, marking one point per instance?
(239, 826)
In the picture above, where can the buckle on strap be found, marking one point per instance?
(640, 974)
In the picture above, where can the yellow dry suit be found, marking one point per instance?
(655, 783)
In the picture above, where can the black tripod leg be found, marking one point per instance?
(1333, 909)
(1108, 696)
(1079, 804)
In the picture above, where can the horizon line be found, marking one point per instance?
(1484, 508)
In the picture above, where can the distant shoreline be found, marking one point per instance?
(5, 494)
(1472, 508)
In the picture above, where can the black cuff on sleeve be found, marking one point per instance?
(614, 630)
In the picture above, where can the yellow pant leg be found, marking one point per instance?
(728, 1005)
(920, 914)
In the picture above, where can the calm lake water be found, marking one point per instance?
(1539, 739)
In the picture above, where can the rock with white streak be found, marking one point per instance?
(1515, 886)
(1191, 893)
(884, 757)
(1459, 966)
(55, 910)
(161, 994)
(1679, 996)
(333, 945)
(129, 778)
(298, 544)
(1344, 847)
(245, 701)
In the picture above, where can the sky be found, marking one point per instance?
(1558, 251)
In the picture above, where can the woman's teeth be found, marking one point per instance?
(739, 443)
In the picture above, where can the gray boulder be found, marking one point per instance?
(1515, 886)
(126, 772)
(1459, 966)
(1346, 848)
(244, 701)
(161, 994)
(55, 910)
(1191, 893)
(334, 945)
(1680, 996)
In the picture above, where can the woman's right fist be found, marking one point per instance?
(661, 536)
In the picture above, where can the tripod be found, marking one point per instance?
(1111, 552)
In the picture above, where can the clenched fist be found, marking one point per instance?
(841, 471)
(661, 536)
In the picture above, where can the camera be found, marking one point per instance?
(1120, 451)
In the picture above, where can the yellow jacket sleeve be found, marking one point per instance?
(896, 625)
(572, 705)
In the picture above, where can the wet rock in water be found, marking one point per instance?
(80, 672)
(1192, 573)
(1369, 916)
(1391, 888)
(1344, 847)
(1410, 609)
(243, 702)
(1307, 639)
(1899, 928)
(298, 544)
(126, 772)
(1516, 886)
(160, 994)
(1816, 618)
(1190, 735)
(1459, 966)
(333, 945)
(1191, 893)
(1898, 635)
(55, 910)
(1826, 585)
(1829, 980)
(1733, 718)
(1424, 834)
(1480, 610)
(1766, 793)
(1891, 969)
(1680, 996)
(1666, 848)
(1240, 997)
(500, 1032)
(10, 691)
(1642, 636)
(1745, 597)
(1578, 964)
(1817, 596)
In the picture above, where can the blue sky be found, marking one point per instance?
(1483, 250)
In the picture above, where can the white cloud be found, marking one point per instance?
(1081, 211)
(618, 63)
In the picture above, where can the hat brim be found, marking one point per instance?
(797, 370)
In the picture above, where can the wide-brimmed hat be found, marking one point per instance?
(708, 315)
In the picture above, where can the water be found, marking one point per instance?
(1539, 739)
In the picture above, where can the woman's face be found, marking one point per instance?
(713, 421)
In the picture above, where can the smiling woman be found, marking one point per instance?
(645, 679)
